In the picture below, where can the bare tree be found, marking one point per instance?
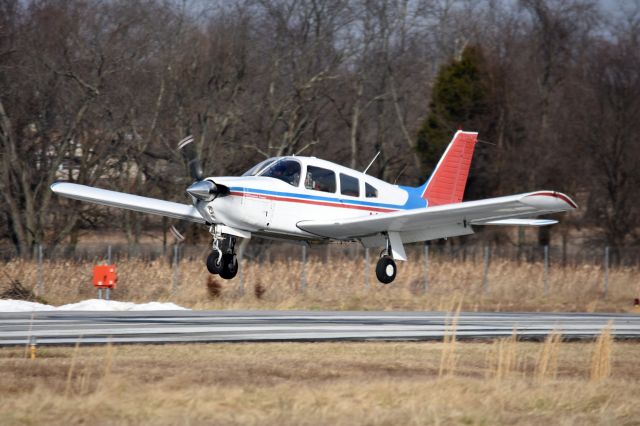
(99, 92)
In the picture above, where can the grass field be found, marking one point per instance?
(499, 382)
(340, 285)
(503, 382)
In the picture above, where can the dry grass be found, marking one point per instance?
(449, 357)
(547, 366)
(503, 358)
(601, 359)
(339, 285)
(321, 383)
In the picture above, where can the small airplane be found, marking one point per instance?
(309, 200)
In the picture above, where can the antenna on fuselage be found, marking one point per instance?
(374, 159)
(400, 174)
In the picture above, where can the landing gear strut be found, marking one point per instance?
(386, 268)
(222, 260)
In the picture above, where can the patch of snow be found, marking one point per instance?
(10, 305)
(87, 305)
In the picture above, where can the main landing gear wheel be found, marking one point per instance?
(386, 269)
(214, 263)
(229, 266)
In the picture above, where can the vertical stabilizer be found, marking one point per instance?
(446, 184)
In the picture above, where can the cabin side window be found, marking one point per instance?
(370, 191)
(320, 179)
(349, 186)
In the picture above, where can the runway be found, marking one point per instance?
(60, 327)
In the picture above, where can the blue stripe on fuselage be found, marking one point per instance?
(413, 202)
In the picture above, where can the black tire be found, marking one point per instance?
(213, 265)
(386, 270)
(229, 266)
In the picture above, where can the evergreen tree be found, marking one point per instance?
(458, 101)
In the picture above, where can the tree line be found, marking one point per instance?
(99, 93)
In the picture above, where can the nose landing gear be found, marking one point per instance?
(222, 260)
(223, 264)
(229, 266)
(214, 262)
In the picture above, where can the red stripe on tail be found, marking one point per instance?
(449, 179)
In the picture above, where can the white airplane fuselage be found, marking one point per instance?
(272, 207)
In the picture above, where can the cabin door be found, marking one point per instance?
(258, 209)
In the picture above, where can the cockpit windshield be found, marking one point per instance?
(283, 168)
(258, 168)
(286, 170)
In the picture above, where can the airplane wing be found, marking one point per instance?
(127, 201)
(447, 220)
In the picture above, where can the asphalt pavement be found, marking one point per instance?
(68, 327)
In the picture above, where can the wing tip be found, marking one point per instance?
(56, 186)
(548, 198)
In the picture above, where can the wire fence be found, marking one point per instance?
(265, 251)
(481, 255)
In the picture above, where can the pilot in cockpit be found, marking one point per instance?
(288, 171)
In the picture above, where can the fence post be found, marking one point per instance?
(366, 268)
(240, 259)
(546, 270)
(174, 285)
(40, 272)
(241, 278)
(426, 267)
(109, 255)
(303, 272)
(485, 277)
(606, 271)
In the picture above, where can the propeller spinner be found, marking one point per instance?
(203, 190)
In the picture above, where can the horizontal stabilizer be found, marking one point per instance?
(519, 222)
(127, 201)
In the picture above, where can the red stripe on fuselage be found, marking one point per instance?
(317, 203)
